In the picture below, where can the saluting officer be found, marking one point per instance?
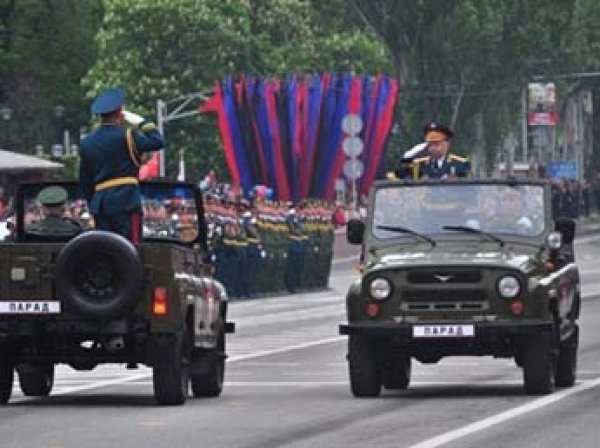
(110, 162)
(439, 162)
(53, 200)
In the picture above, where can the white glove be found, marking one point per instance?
(132, 118)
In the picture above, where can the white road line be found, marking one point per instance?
(505, 416)
(144, 376)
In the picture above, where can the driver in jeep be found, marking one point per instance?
(53, 199)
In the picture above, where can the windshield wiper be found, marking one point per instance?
(408, 232)
(483, 233)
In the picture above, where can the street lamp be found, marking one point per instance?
(6, 114)
(59, 112)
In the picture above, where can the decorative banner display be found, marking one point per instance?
(290, 135)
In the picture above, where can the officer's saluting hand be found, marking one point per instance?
(110, 162)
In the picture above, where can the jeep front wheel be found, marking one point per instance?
(7, 376)
(170, 376)
(539, 364)
(36, 380)
(566, 363)
(210, 384)
(365, 372)
(396, 371)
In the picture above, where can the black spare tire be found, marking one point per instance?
(98, 275)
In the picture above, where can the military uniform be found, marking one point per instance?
(54, 223)
(110, 159)
(438, 164)
(296, 252)
(451, 165)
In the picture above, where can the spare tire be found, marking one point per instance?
(98, 275)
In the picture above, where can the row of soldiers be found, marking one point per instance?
(270, 247)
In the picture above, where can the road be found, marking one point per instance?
(287, 386)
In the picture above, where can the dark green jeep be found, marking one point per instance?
(467, 267)
(89, 297)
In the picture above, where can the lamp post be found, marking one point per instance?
(6, 114)
(59, 113)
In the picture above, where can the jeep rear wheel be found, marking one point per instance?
(539, 364)
(210, 384)
(99, 275)
(7, 376)
(396, 371)
(36, 380)
(566, 363)
(170, 376)
(364, 368)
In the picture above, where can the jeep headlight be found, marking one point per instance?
(380, 288)
(554, 240)
(509, 287)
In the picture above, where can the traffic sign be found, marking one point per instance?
(352, 146)
(353, 169)
(352, 124)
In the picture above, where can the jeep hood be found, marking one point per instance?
(522, 260)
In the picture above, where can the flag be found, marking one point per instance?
(181, 173)
(150, 169)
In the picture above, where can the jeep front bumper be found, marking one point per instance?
(481, 329)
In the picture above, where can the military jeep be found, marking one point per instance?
(93, 297)
(464, 267)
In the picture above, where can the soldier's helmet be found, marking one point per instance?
(52, 196)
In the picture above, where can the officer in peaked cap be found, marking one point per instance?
(440, 163)
(53, 199)
(110, 162)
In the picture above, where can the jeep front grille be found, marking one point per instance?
(446, 295)
(457, 306)
(443, 276)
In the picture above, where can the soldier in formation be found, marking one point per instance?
(269, 247)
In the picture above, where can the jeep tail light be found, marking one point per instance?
(517, 307)
(159, 302)
(372, 309)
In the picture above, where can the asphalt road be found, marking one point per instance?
(287, 386)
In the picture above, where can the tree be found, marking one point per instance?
(41, 68)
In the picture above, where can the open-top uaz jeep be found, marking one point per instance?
(95, 298)
(465, 267)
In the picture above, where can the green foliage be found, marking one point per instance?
(45, 49)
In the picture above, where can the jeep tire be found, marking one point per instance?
(7, 376)
(539, 364)
(364, 367)
(99, 275)
(566, 363)
(170, 372)
(396, 371)
(36, 380)
(210, 384)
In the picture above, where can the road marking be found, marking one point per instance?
(145, 376)
(346, 259)
(505, 416)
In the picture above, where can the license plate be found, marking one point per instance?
(30, 307)
(443, 331)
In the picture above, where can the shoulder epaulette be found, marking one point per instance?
(457, 158)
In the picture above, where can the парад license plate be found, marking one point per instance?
(443, 331)
(30, 307)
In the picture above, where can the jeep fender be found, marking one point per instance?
(353, 300)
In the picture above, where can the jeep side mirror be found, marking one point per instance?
(355, 231)
(567, 228)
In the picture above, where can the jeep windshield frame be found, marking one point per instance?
(460, 203)
(181, 201)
